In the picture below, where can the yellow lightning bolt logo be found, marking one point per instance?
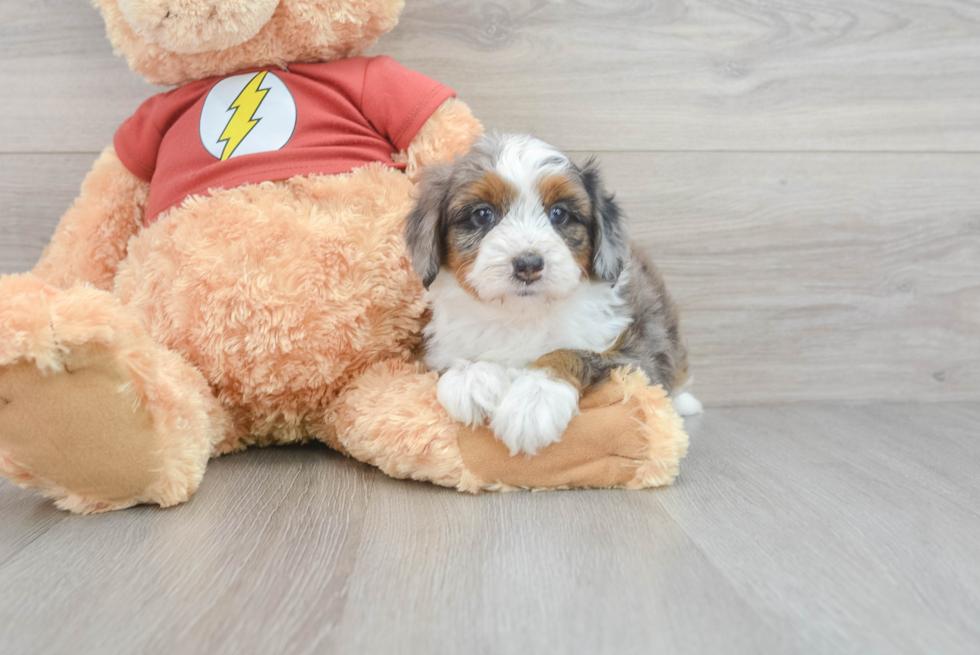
(241, 122)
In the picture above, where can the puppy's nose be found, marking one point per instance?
(528, 265)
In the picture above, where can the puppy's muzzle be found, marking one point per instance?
(528, 266)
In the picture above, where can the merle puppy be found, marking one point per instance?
(536, 290)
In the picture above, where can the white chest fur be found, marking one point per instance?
(518, 331)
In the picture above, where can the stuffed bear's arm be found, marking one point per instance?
(449, 132)
(627, 435)
(91, 238)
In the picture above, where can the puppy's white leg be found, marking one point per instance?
(686, 404)
(534, 412)
(471, 390)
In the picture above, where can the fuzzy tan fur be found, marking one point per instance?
(82, 342)
(91, 239)
(298, 31)
(270, 313)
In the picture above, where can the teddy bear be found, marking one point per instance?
(234, 273)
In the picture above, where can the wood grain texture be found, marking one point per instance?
(25, 517)
(35, 190)
(261, 554)
(799, 529)
(710, 75)
(64, 90)
(856, 518)
(808, 276)
(614, 75)
(816, 276)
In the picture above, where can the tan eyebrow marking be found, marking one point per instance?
(555, 187)
(491, 189)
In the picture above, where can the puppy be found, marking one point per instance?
(536, 290)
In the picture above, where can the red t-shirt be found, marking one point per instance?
(270, 124)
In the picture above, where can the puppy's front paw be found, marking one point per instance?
(534, 412)
(470, 391)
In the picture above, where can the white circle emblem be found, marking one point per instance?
(246, 114)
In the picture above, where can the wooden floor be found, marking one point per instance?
(794, 529)
(806, 174)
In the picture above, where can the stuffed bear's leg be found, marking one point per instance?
(93, 412)
(627, 435)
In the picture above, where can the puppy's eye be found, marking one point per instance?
(483, 217)
(559, 215)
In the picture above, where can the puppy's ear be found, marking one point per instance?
(423, 230)
(611, 240)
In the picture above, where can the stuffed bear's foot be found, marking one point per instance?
(627, 435)
(93, 412)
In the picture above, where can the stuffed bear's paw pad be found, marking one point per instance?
(78, 431)
(471, 391)
(534, 412)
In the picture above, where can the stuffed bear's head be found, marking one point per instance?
(172, 42)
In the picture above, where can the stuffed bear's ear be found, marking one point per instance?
(424, 230)
(610, 241)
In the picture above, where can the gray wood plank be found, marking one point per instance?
(35, 190)
(623, 75)
(800, 276)
(25, 516)
(797, 529)
(709, 75)
(71, 91)
(590, 572)
(260, 555)
(819, 276)
(857, 526)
